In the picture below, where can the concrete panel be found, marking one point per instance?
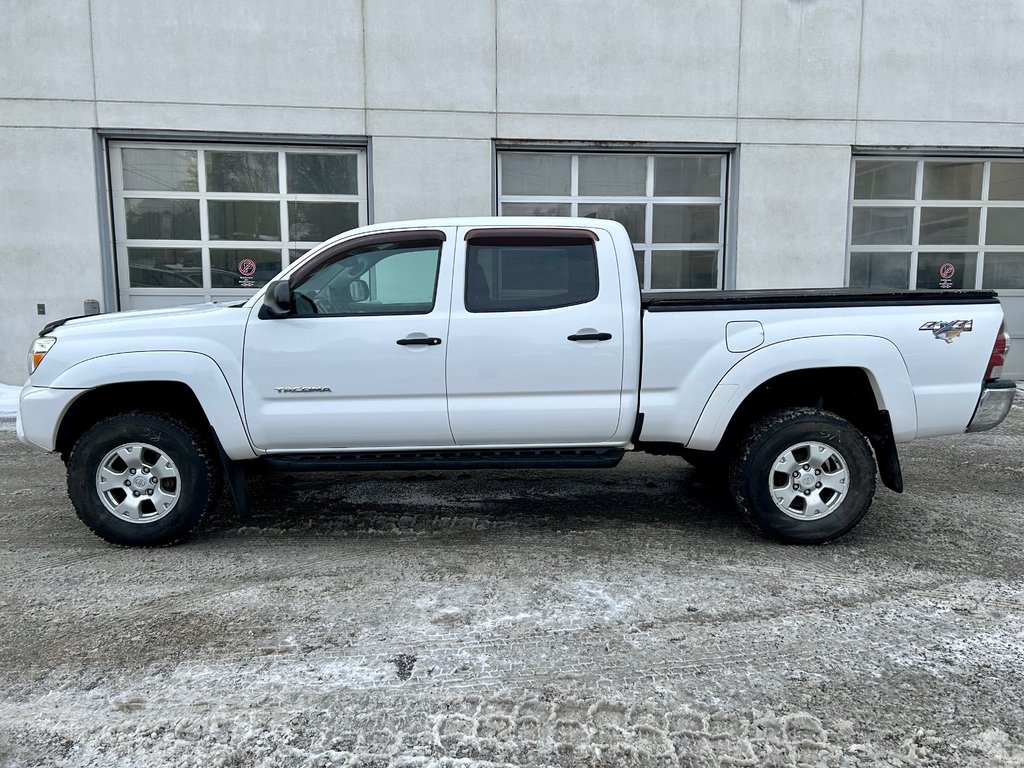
(235, 119)
(421, 178)
(47, 114)
(791, 216)
(767, 131)
(908, 133)
(224, 52)
(707, 130)
(430, 54)
(927, 60)
(50, 225)
(430, 124)
(799, 58)
(615, 58)
(45, 50)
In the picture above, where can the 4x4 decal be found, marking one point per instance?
(948, 330)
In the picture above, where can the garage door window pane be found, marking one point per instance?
(536, 209)
(883, 226)
(165, 267)
(243, 267)
(684, 269)
(666, 202)
(327, 174)
(523, 174)
(612, 175)
(949, 226)
(884, 180)
(241, 171)
(1004, 270)
(879, 270)
(629, 215)
(685, 224)
(319, 221)
(687, 176)
(1007, 181)
(1005, 226)
(953, 181)
(930, 264)
(164, 170)
(244, 220)
(162, 219)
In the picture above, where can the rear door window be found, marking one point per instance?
(520, 274)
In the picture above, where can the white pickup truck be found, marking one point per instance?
(511, 342)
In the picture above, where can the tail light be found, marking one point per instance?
(998, 357)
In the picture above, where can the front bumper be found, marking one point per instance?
(40, 411)
(993, 405)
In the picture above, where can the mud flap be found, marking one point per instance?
(237, 482)
(885, 453)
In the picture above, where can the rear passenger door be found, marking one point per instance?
(535, 344)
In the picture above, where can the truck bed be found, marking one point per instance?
(690, 301)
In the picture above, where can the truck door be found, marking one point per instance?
(535, 347)
(359, 363)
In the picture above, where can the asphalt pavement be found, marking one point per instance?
(541, 618)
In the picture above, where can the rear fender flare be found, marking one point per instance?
(878, 357)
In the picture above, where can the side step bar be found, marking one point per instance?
(526, 458)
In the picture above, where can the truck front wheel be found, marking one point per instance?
(143, 479)
(803, 476)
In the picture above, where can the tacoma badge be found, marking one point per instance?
(290, 390)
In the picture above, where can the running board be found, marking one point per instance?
(524, 458)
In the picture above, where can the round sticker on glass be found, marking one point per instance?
(946, 271)
(247, 267)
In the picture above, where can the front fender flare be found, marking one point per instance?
(197, 371)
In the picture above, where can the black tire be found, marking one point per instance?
(196, 464)
(754, 467)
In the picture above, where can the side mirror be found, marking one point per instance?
(358, 290)
(277, 301)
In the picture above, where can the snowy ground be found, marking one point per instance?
(626, 617)
(8, 401)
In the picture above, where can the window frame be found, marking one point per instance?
(983, 204)
(648, 200)
(285, 246)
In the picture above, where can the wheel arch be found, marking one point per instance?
(872, 391)
(188, 385)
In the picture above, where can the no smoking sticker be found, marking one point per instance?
(946, 272)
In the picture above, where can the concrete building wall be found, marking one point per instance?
(793, 85)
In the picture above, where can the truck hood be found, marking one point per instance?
(214, 330)
(163, 318)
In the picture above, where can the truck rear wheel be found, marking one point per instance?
(803, 476)
(143, 479)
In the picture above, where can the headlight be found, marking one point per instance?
(39, 349)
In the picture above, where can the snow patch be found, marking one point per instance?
(9, 400)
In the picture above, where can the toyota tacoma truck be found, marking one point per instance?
(514, 343)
